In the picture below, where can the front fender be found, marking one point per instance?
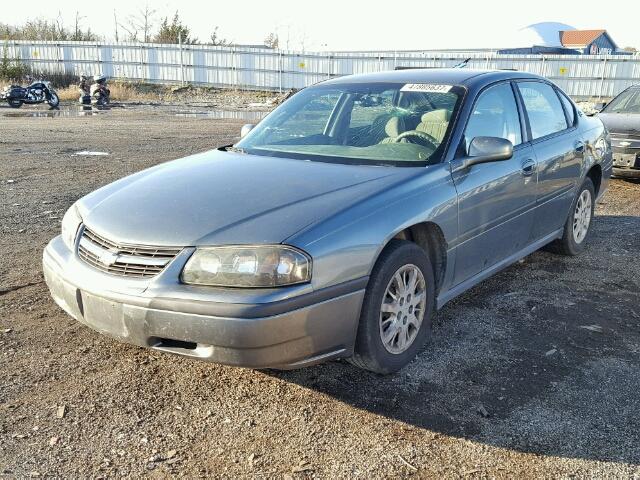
(346, 246)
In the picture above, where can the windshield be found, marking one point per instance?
(627, 102)
(375, 123)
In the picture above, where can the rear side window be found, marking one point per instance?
(568, 106)
(495, 114)
(545, 112)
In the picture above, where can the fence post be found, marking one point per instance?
(142, 69)
(235, 67)
(181, 60)
(329, 57)
(604, 68)
(280, 73)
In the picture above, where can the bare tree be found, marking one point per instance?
(303, 41)
(132, 32)
(144, 22)
(115, 22)
(216, 39)
(272, 41)
(77, 29)
(60, 25)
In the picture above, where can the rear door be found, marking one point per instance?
(558, 149)
(495, 200)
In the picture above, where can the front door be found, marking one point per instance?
(495, 200)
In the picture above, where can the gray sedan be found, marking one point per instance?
(622, 118)
(338, 225)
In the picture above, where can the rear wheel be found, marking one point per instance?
(14, 103)
(395, 320)
(578, 225)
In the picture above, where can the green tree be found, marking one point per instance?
(44, 29)
(11, 69)
(174, 32)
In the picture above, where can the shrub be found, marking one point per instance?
(12, 69)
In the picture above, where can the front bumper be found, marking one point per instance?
(194, 322)
(626, 157)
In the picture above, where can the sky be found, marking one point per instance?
(355, 24)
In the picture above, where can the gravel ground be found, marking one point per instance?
(533, 373)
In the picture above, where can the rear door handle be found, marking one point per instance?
(528, 167)
(579, 147)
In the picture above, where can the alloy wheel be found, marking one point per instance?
(582, 216)
(403, 308)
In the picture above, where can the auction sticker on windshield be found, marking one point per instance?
(426, 87)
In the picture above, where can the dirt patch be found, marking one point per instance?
(128, 92)
(533, 373)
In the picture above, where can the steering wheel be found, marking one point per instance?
(419, 138)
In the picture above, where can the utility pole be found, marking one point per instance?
(115, 22)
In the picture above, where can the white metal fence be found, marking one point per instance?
(581, 76)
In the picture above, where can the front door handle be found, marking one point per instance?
(528, 167)
(579, 147)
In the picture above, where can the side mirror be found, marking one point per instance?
(246, 129)
(485, 150)
(599, 106)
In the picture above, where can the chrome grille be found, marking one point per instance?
(121, 259)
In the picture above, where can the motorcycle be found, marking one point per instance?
(37, 92)
(85, 91)
(99, 92)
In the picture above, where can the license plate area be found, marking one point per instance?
(103, 315)
(624, 159)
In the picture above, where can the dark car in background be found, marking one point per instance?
(622, 118)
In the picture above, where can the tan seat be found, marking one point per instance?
(394, 127)
(435, 123)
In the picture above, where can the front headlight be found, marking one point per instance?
(600, 148)
(247, 266)
(70, 224)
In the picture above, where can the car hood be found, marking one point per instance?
(218, 197)
(625, 123)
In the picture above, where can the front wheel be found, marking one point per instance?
(14, 103)
(54, 100)
(578, 226)
(395, 320)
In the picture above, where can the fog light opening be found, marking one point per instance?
(170, 343)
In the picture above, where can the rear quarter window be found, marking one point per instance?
(568, 107)
(545, 112)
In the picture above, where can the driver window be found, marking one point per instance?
(495, 114)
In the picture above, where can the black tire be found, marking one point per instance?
(54, 100)
(568, 245)
(14, 103)
(370, 352)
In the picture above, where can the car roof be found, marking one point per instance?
(447, 76)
